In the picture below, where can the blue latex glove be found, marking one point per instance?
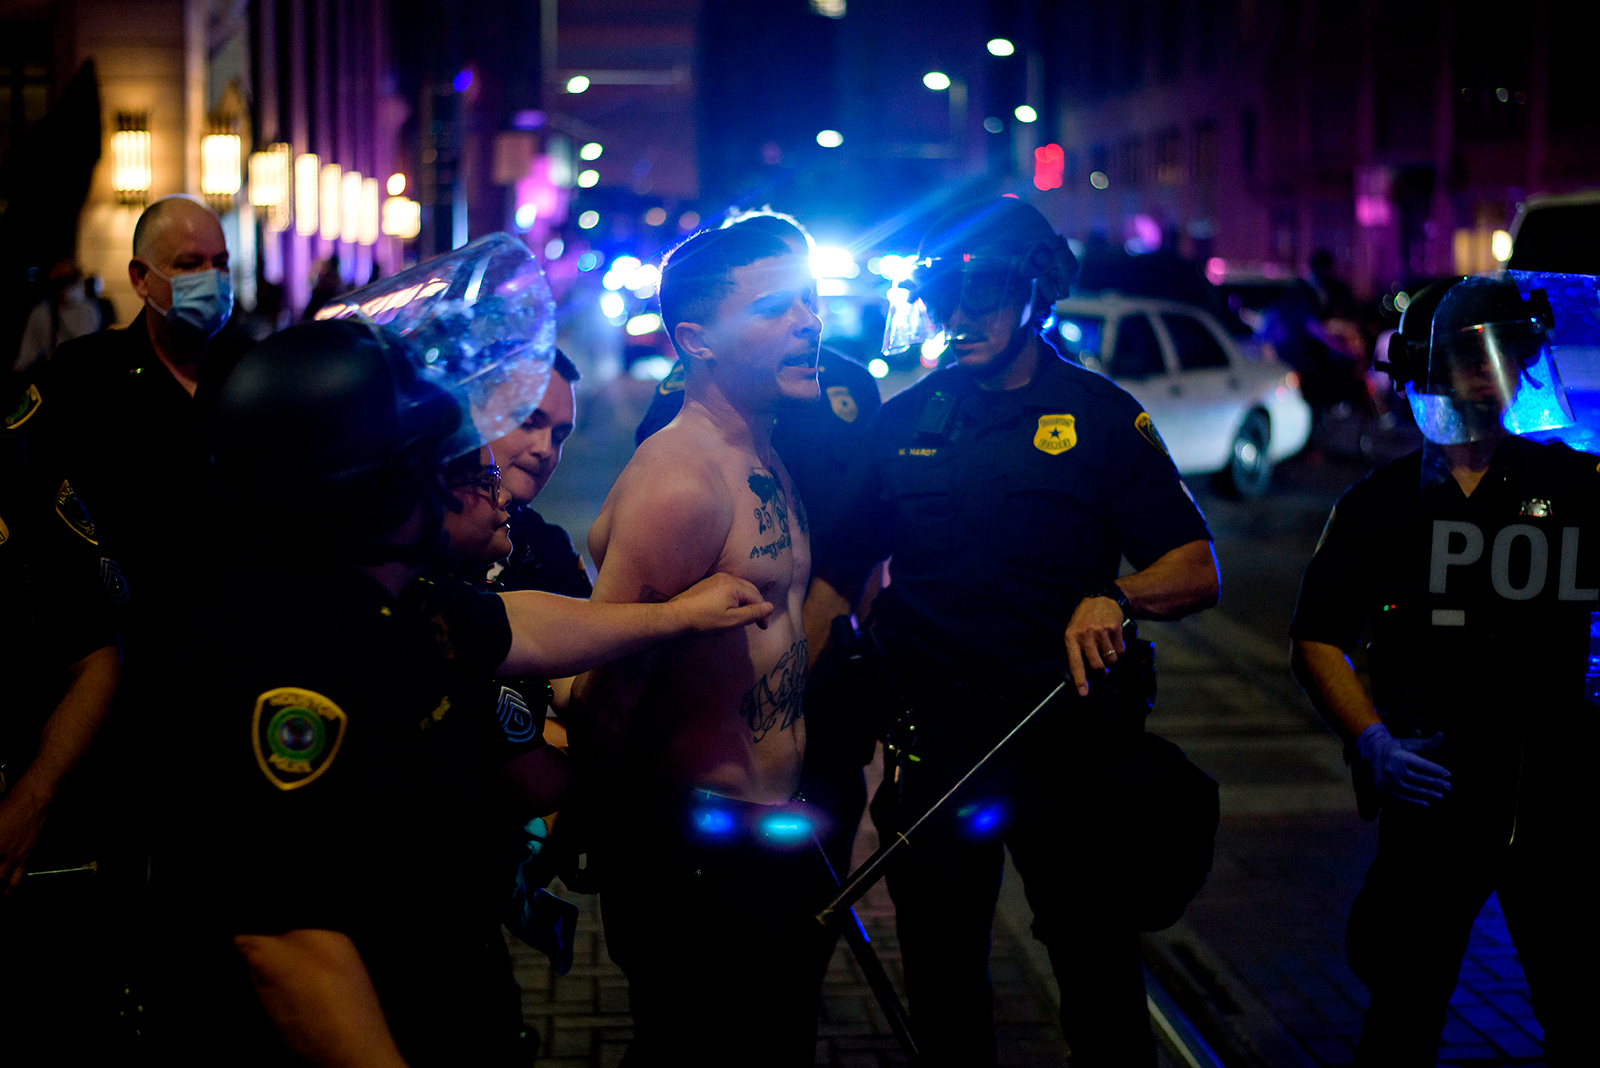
(1398, 771)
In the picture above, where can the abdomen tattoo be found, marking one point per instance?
(775, 700)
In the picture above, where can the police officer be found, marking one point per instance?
(1472, 562)
(542, 557)
(338, 887)
(815, 442)
(58, 656)
(1007, 488)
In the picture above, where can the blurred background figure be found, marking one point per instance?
(71, 308)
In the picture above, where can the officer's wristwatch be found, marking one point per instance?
(1113, 591)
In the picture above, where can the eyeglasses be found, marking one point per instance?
(489, 479)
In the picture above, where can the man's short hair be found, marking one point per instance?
(564, 367)
(697, 274)
(152, 215)
(783, 226)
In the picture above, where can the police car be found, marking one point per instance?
(1222, 410)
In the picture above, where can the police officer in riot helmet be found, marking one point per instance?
(1007, 488)
(1472, 563)
(337, 895)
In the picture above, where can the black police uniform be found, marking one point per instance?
(133, 438)
(60, 980)
(1480, 614)
(345, 789)
(542, 558)
(816, 442)
(1000, 512)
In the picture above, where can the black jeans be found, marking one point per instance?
(1435, 868)
(1057, 800)
(714, 928)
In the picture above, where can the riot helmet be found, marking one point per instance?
(480, 322)
(978, 257)
(1408, 348)
(1490, 367)
(327, 429)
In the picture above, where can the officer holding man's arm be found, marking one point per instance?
(1006, 489)
(1471, 561)
(337, 896)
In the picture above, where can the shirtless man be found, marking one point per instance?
(711, 876)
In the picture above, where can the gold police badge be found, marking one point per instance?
(673, 383)
(1056, 434)
(296, 734)
(844, 405)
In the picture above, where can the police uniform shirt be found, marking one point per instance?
(133, 439)
(55, 611)
(1003, 513)
(1479, 606)
(542, 558)
(345, 789)
(815, 441)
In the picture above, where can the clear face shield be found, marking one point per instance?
(481, 323)
(979, 285)
(1487, 380)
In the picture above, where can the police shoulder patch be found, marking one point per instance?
(26, 405)
(296, 734)
(1056, 434)
(73, 513)
(673, 383)
(1147, 430)
(5, 531)
(844, 405)
(516, 718)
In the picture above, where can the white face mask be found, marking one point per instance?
(201, 301)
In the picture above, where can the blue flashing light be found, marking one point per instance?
(785, 827)
(588, 261)
(713, 822)
(981, 818)
(463, 80)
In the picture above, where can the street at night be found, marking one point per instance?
(1074, 544)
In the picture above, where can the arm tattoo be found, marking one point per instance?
(772, 514)
(776, 698)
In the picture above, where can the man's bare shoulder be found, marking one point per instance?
(671, 501)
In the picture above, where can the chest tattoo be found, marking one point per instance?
(772, 514)
(776, 698)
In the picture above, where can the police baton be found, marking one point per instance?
(862, 879)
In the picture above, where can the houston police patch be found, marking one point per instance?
(5, 531)
(1056, 434)
(73, 513)
(1147, 430)
(843, 404)
(296, 734)
(516, 718)
(27, 404)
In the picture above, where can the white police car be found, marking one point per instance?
(1222, 409)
